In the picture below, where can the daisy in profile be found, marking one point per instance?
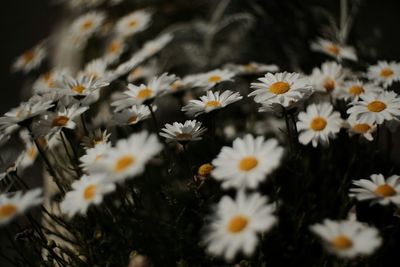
(81, 86)
(113, 50)
(210, 102)
(47, 82)
(210, 79)
(376, 107)
(247, 163)
(154, 46)
(318, 124)
(97, 69)
(30, 59)
(384, 73)
(334, 50)
(191, 130)
(30, 153)
(348, 239)
(132, 115)
(12, 205)
(145, 92)
(328, 78)
(144, 72)
(129, 157)
(93, 155)
(96, 138)
(355, 127)
(381, 190)
(86, 26)
(281, 88)
(351, 90)
(236, 224)
(251, 68)
(88, 190)
(133, 23)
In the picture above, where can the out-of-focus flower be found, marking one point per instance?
(92, 155)
(355, 127)
(334, 50)
(30, 59)
(384, 73)
(132, 115)
(113, 50)
(251, 68)
(133, 23)
(86, 26)
(328, 78)
(83, 85)
(191, 130)
(351, 90)
(96, 138)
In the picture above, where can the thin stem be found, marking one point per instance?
(288, 130)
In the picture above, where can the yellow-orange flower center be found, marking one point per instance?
(31, 152)
(361, 128)
(385, 190)
(386, 72)
(333, 49)
(213, 103)
(318, 124)
(279, 88)
(205, 169)
(248, 163)
(183, 136)
(124, 162)
(342, 242)
(87, 25)
(329, 85)
(132, 119)
(376, 106)
(237, 224)
(7, 210)
(214, 79)
(89, 192)
(132, 23)
(144, 93)
(113, 47)
(356, 90)
(60, 121)
(78, 89)
(28, 56)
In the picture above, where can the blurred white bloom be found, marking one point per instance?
(247, 163)
(96, 68)
(384, 73)
(85, 27)
(133, 23)
(46, 83)
(355, 127)
(96, 138)
(328, 78)
(214, 77)
(18, 203)
(348, 239)
(114, 50)
(191, 130)
(236, 224)
(351, 90)
(154, 46)
(83, 85)
(93, 154)
(334, 50)
(30, 59)
(132, 115)
(143, 72)
(376, 107)
(281, 88)
(318, 124)
(251, 68)
(381, 190)
(210, 102)
(85, 192)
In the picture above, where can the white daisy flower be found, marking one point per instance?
(281, 88)
(247, 163)
(191, 130)
(93, 154)
(86, 26)
(96, 68)
(140, 94)
(85, 192)
(133, 23)
(154, 46)
(351, 90)
(132, 115)
(82, 85)
(214, 77)
(144, 72)
(236, 224)
(376, 107)
(381, 190)
(30, 59)
(318, 124)
(47, 82)
(12, 205)
(328, 78)
(96, 138)
(129, 157)
(348, 239)
(334, 50)
(30, 153)
(114, 50)
(210, 102)
(365, 130)
(384, 73)
(251, 68)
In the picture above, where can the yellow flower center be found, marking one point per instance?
(28, 56)
(31, 152)
(87, 25)
(249, 67)
(329, 85)
(132, 119)
(59, 121)
(279, 88)
(89, 192)
(386, 72)
(124, 162)
(237, 224)
(78, 88)
(356, 90)
(132, 23)
(333, 49)
(183, 136)
(342, 242)
(113, 47)
(176, 85)
(205, 169)
(7, 210)
(144, 93)
(213, 103)
(318, 124)
(214, 79)
(361, 128)
(385, 190)
(248, 163)
(376, 106)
